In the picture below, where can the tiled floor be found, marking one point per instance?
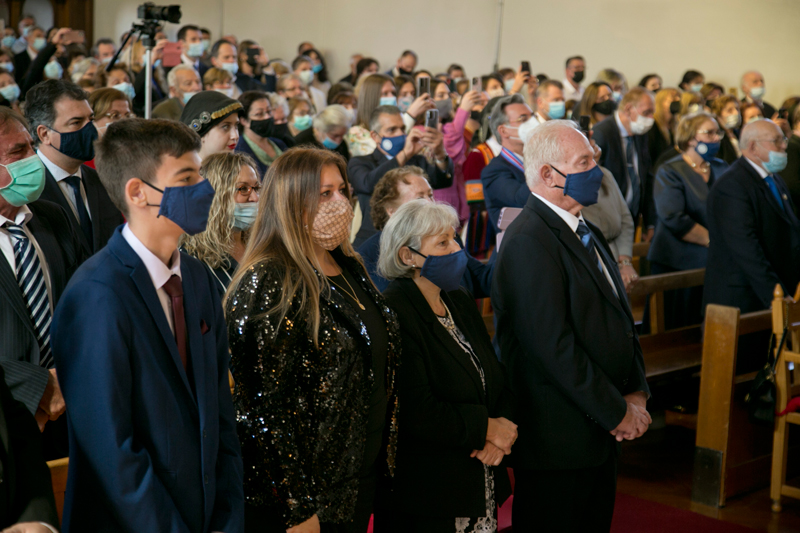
(658, 467)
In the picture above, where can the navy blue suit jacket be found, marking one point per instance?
(477, 277)
(146, 452)
(503, 186)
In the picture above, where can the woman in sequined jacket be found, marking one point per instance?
(314, 350)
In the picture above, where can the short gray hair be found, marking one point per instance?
(332, 117)
(412, 222)
(172, 77)
(277, 101)
(545, 147)
(753, 132)
(375, 117)
(498, 115)
(81, 67)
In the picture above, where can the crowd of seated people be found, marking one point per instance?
(255, 310)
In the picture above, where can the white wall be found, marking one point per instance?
(42, 10)
(721, 38)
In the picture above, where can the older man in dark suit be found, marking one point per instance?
(60, 122)
(568, 338)
(40, 251)
(623, 139)
(753, 230)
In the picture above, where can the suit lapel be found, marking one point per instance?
(53, 192)
(764, 190)
(574, 245)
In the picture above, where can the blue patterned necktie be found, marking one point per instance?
(34, 291)
(770, 181)
(636, 194)
(588, 242)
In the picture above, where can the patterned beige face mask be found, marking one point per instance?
(332, 223)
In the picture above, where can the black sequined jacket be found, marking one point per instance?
(302, 410)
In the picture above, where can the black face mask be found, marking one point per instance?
(404, 72)
(605, 108)
(280, 131)
(263, 128)
(578, 76)
(475, 115)
(675, 107)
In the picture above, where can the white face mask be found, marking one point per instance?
(496, 93)
(526, 129)
(733, 121)
(642, 125)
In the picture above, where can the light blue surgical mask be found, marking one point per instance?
(26, 30)
(8, 66)
(388, 100)
(695, 87)
(195, 49)
(10, 92)
(557, 110)
(509, 84)
(302, 123)
(244, 215)
(616, 96)
(404, 102)
(188, 96)
(206, 44)
(329, 144)
(233, 68)
(8, 41)
(777, 162)
(757, 93)
(53, 70)
(39, 43)
(316, 69)
(127, 89)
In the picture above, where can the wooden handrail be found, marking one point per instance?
(667, 282)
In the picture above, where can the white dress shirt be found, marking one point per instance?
(495, 146)
(60, 175)
(24, 215)
(572, 221)
(761, 172)
(624, 134)
(159, 272)
(570, 92)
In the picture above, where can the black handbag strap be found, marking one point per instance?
(774, 363)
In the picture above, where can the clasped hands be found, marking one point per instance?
(500, 437)
(636, 420)
(52, 405)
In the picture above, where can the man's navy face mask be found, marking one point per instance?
(583, 187)
(78, 144)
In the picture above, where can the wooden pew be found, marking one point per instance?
(58, 476)
(653, 287)
(732, 456)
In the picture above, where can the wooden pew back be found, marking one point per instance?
(58, 476)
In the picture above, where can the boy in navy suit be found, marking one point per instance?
(140, 341)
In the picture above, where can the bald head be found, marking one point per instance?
(556, 144)
(759, 138)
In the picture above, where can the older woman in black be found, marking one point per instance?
(454, 427)
(681, 188)
(314, 346)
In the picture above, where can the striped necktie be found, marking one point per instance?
(588, 242)
(34, 291)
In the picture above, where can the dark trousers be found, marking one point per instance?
(556, 501)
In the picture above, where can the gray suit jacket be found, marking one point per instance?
(170, 108)
(612, 217)
(19, 350)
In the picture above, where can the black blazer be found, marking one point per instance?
(19, 349)
(504, 185)
(365, 171)
(767, 109)
(680, 195)
(607, 136)
(754, 243)
(22, 61)
(727, 152)
(568, 342)
(26, 493)
(105, 217)
(791, 174)
(307, 137)
(444, 412)
(657, 144)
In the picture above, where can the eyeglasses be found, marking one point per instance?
(521, 119)
(113, 117)
(779, 141)
(719, 134)
(245, 190)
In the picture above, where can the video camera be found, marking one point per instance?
(150, 11)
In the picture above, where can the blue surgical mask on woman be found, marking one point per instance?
(10, 92)
(8, 41)
(127, 89)
(8, 66)
(583, 187)
(329, 144)
(188, 207)
(244, 215)
(316, 69)
(388, 100)
(444, 271)
(404, 102)
(53, 70)
(707, 151)
(695, 87)
(302, 123)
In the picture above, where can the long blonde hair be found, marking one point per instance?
(214, 246)
(287, 207)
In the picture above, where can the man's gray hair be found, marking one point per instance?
(411, 223)
(172, 77)
(375, 117)
(754, 131)
(545, 146)
(498, 116)
(277, 101)
(332, 117)
(81, 67)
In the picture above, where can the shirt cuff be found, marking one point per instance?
(48, 526)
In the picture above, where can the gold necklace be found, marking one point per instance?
(351, 294)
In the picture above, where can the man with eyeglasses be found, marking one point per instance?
(623, 139)
(753, 231)
(503, 178)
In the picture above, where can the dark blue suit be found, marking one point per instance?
(147, 453)
(503, 186)
(477, 277)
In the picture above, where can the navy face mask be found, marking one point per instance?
(444, 271)
(583, 187)
(79, 144)
(188, 206)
